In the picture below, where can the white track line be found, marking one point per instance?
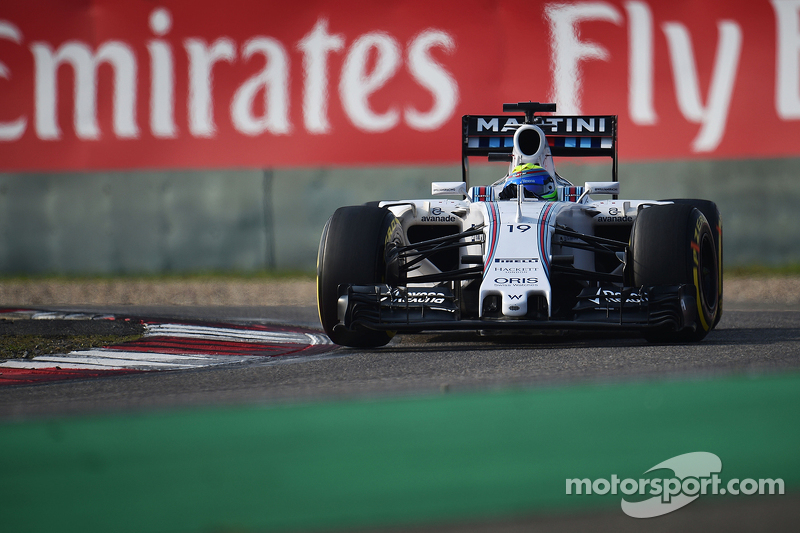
(233, 334)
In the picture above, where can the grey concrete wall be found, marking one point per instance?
(253, 220)
(132, 222)
(759, 201)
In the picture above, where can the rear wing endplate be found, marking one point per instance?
(492, 136)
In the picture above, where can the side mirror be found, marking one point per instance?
(601, 187)
(449, 188)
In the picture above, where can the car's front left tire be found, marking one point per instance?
(711, 212)
(674, 245)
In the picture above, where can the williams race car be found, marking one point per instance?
(530, 252)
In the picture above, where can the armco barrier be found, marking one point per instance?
(251, 220)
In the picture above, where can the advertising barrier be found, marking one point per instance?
(101, 84)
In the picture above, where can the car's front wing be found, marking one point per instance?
(404, 309)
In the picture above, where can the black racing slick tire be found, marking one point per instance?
(352, 252)
(711, 212)
(674, 245)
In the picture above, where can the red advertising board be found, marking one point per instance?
(102, 84)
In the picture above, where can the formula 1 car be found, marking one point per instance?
(530, 252)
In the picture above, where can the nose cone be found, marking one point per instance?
(515, 304)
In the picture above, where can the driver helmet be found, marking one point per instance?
(535, 181)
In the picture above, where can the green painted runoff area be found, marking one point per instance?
(443, 458)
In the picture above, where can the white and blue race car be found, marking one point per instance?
(530, 252)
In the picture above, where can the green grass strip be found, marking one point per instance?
(30, 346)
(400, 461)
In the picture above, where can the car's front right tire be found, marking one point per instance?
(352, 252)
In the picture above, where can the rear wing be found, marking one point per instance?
(492, 136)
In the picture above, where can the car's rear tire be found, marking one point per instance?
(674, 245)
(351, 252)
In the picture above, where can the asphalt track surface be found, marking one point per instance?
(762, 344)
(745, 341)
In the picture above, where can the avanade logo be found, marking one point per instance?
(695, 474)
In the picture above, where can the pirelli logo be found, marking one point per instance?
(517, 261)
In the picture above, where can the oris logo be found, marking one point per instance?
(516, 281)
